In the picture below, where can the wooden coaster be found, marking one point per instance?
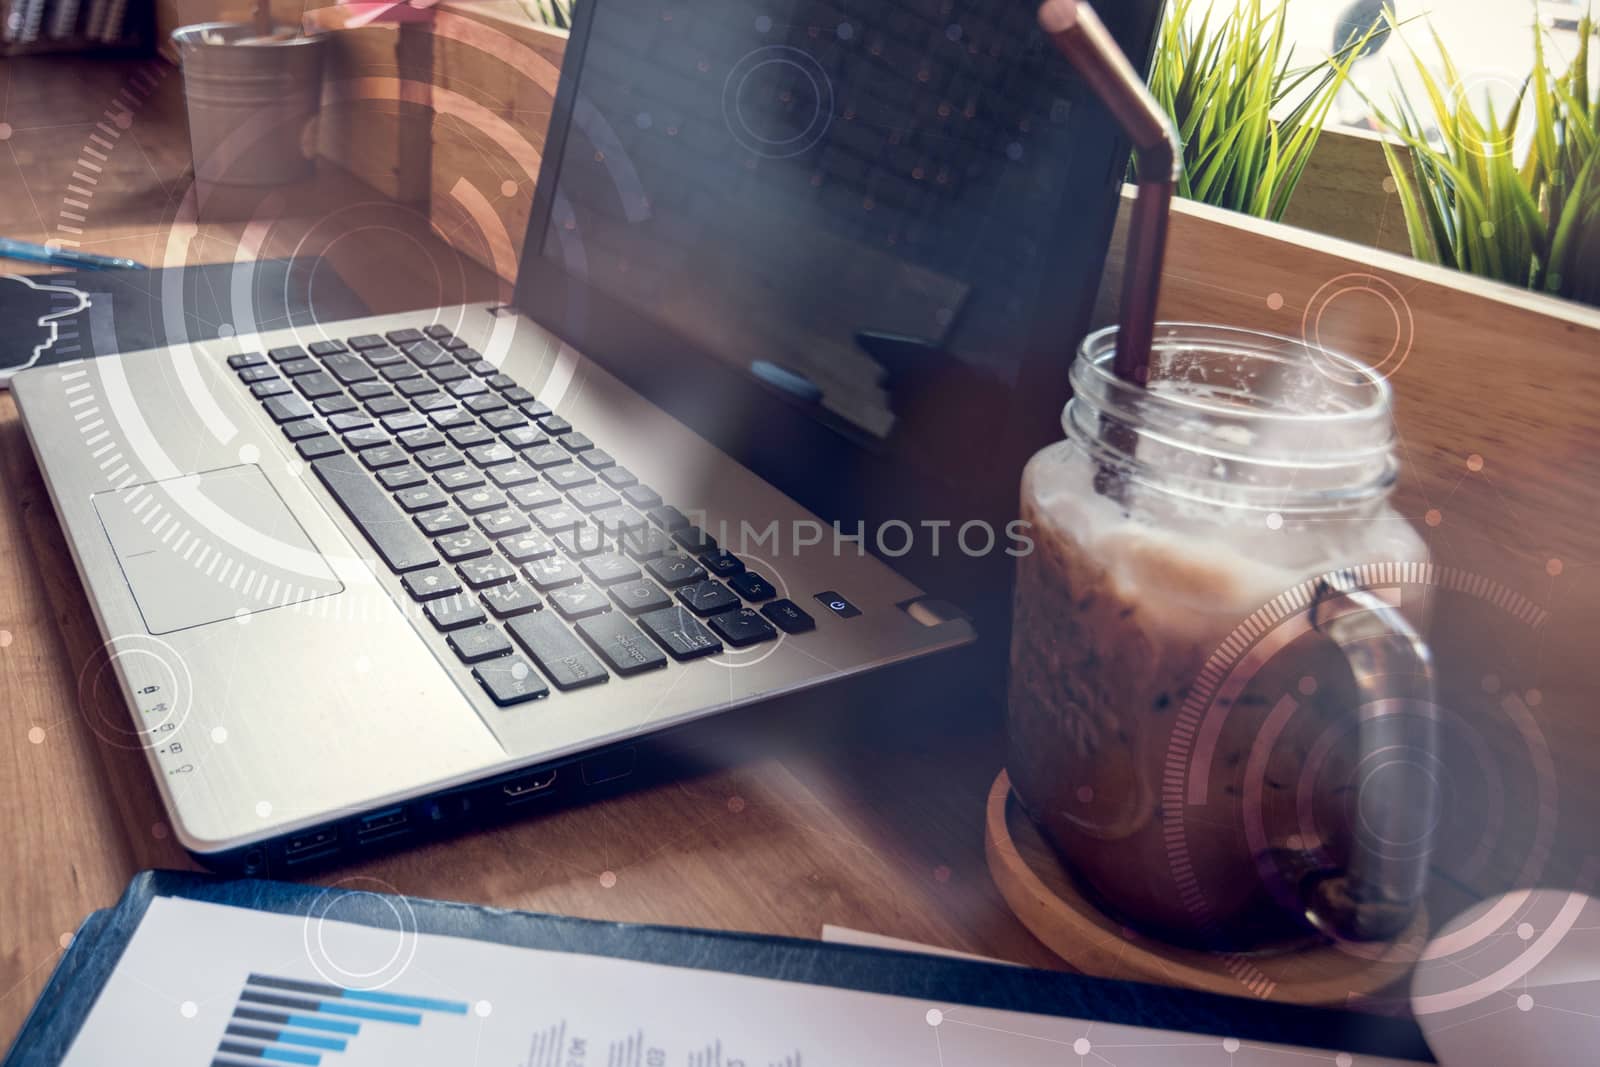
(1043, 895)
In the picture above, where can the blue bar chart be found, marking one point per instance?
(289, 1021)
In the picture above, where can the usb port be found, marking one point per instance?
(311, 845)
(381, 824)
(527, 785)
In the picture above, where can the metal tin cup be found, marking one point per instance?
(252, 107)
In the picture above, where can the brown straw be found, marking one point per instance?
(1080, 35)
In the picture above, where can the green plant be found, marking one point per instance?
(557, 13)
(1248, 118)
(1468, 204)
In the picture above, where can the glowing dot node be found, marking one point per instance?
(1274, 521)
(483, 1008)
(1525, 931)
(249, 454)
(219, 734)
(845, 31)
(225, 329)
(1434, 517)
(1307, 686)
(263, 808)
(1525, 1003)
(1554, 568)
(1533, 698)
(158, 831)
(188, 1009)
(608, 879)
(508, 188)
(242, 615)
(1474, 463)
(1082, 1046)
(1085, 794)
(1389, 185)
(519, 671)
(1230, 1044)
(6, 638)
(736, 804)
(36, 735)
(65, 940)
(1343, 1059)
(1275, 301)
(934, 1016)
(5, 131)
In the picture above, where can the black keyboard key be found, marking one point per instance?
(558, 518)
(743, 627)
(647, 543)
(667, 517)
(370, 437)
(490, 570)
(430, 357)
(402, 421)
(707, 597)
(610, 568)
(466, 388)
(429, 403)
(837, 604)
(385, 405)
(675, 570)
(445, 373)
(534, 409)
(287, 408)
(468, 544)
(464, 352)
(437, 332)
(568, 476)
(277, 387)
(483, 403)
(640, 496)
(370, 390)
(677, 630)
(297, 367)
(335, 405)
(561, 656)
(552, 572)
(619, 521)
(421, 498)
(579, 601)
(600, 460)
(582, 541)
(369, 506)
(620, 643)
(502, 382)
(251, 375)
(247, 359)
(367, 340)
(555, 424)
(510, 680)
(449, 418)
(752, 586)
(346, 421)
(506, 522)
(380, 358)
(437, 459)
(542, 456)
(490, 454)
(517, 395)
(535, 495)
(325, 348)
(404, 337)
(286, 353)
(349, 369)
(639, 596)
(469, 435)
(474, 501)
(695, 540)
(454, 612)
(399, 371)
(510, 599)
(451, 344)
(483, 369)
(722, 563)
(479, 643)
(317, 447)
(575, 442)
(300, 429)
(457, 478)
(383, 456)
(504, 420)
(592, 497)
(414, 388)
(431, 584)
(421, 438)
(401, 477)
(505, 475)
(527, 547)
(317, 385)
(442, 521)
(788, 617)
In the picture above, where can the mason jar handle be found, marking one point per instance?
(1376, 896)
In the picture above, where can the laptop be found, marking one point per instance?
(797, 299)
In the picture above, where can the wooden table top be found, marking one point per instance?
(786, 834)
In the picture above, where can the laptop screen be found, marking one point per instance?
(887, 216)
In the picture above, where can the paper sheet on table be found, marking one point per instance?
(203, 983)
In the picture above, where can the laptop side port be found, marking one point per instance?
(528, 785)
(382, 825)
(311, 845)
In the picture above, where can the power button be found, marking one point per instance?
(837, 604)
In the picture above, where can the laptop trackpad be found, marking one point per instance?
(213, 546)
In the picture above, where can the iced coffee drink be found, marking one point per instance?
(1191, 804)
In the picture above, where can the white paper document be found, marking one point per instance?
(202, 984)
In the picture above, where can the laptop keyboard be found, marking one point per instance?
(538, 559)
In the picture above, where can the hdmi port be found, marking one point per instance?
(524, 786)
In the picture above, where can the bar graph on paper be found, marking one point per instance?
(554, 1046)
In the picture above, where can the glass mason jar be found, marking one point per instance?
(1198, 547)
